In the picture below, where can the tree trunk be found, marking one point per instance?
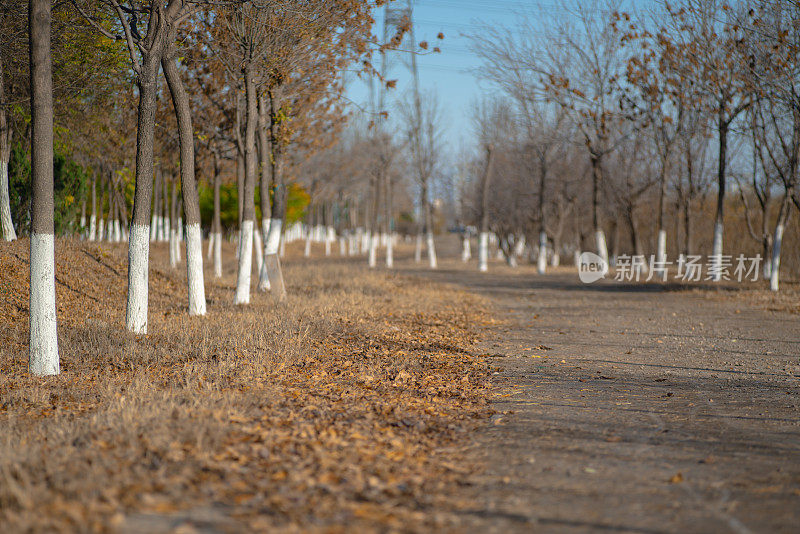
(635, 243)
(661, 239)
(5, 156)
(117, 214)
(600, 244)
(258, 250)
(541, 260)
(93, 216)
(266, 185)
(390, 251)
(5, 201)
(139, 242)
(173, 223)
(483, 240)
(766, 245)
(374, 241)
(109, 222)
(154, 219)
(248, 204)
(541, 263)
(216, 222)
(274, 244)
(309, 233)
(82, 224)
(43, 348)
(101, 234)
(661, 254)
(166, 221)
(599, 235)
(716, 248)
(389, 221)
(466, 251)
(777, 241)
(271, 259)
(240, 178)
(189, 195)
(687, 228)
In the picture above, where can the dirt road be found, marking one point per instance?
(633, 409)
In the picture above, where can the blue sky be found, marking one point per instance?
(448, 73)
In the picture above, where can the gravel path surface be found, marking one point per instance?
(634, 409)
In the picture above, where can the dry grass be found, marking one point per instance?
(339, 408)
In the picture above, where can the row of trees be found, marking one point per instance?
(615, 113)
(251, 85)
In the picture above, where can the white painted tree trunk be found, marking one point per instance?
(418, 249)
(600, 243)
(483, 252)
(154, 219)
(776, 257)
(173, 248)
(466, 250)
(117, 231)
(555, 259)
(373, 250)
(328, 240)
(245, 263)
(210, 253)
(5, 204)
(518, 250)
(138, 261)
(271, 263)
(390, 251)
(167, 228)
(179, 231)
(307, 249)
(263, 276)
(661, 254)
(217, 254)
(101, 230)
(92, 227)
(432, 263)
(43, 330)
(194, 269)
(342, 246)
(258, 251)
(716, 253)
(541, 260)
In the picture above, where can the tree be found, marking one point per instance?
(43, 359)
(772, 45)
(710, 55)
(191, 202)
(423, 132)
(581, 71)
(5, 154)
